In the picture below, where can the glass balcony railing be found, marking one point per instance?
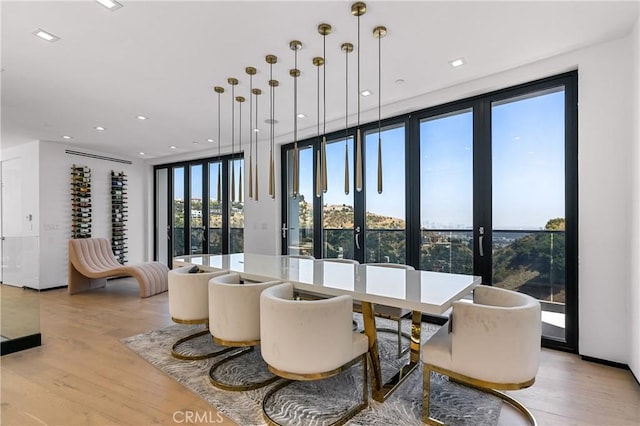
(236, 237)
(447, 250)
(531, 262)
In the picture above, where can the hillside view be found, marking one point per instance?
(528, 261)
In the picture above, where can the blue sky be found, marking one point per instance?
(527, 167)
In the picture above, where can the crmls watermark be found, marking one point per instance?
(197, 417)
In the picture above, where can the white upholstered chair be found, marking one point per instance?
(189, 304)
(393, 313)
(492, 344)
(356, 304)
(234, 321)
(309, 340)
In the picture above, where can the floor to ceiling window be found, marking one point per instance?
(446, 192)
(236, 207)
(215, 207)
(385, 224)
(298, 202)
(528, 200)
(484, 186)
(201, 213)
(337, 202)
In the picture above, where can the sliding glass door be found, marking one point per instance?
(484, 186)
(446, 192)
(298, 202)
(529, 200)
(195, 210)
(384, 193)
(338, 238)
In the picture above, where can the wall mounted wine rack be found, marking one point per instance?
(119, 214)
(80, 202)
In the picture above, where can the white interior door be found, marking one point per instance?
(11, 222)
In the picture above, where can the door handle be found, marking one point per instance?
(284, 230)
(481, 241)
(357, 237)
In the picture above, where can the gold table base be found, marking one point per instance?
(380, 390)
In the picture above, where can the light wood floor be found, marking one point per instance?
(83, 375)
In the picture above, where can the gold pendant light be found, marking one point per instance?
(318, 62)
(346, 48)
(251, 71)
(324, 30)
(240, 100)
(219, 90)
(358, 9)
(379, 32)
(295, 45)
(272, 59)
(256, 92)
(233, 82)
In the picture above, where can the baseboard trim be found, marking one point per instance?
(606, 362)
(20, 344)
(53, 288)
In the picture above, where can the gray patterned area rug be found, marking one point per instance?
(308, 403)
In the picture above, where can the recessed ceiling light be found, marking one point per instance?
(256, 130)
(110, 4)
(142, 117)
(141, 153)
(400, 81)
(457, 62)
(301, 115)
(66, 137)
(100, 128)
(172, 146)
(210, 140)
(195, 142)
(271, 121)
(46, 35)
(366, 92)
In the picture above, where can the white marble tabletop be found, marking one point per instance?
(423, 291)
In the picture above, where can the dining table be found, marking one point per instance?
(415, 290)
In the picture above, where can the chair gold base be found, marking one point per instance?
(481, 385)
(178, 355)
(229, 387)
(291, 377)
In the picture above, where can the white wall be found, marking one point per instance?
(46, 195)
(634, 293)
(262, 217)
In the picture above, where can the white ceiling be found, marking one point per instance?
(162, 59)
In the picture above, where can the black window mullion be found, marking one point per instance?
(318, 224)
(169, 241)
(205, 206)
(187, 208)
(227, 203)
(284, 223)
(571, 209)
(359, 200)
(412, 198)
(482, 221)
